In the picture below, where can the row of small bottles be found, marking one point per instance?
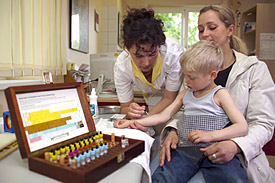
(88, 146)
(88, 156)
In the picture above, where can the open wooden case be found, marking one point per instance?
(52, 116)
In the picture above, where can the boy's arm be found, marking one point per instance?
(238, 128)
(155, 119)
(239, 125)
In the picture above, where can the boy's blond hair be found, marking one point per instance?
(203, 56)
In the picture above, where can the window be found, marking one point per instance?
(33, 38)
(180, 23)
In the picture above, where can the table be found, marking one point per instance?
(14, 169)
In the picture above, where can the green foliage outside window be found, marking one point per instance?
(173, 23)
(193, 36)
(75, 44)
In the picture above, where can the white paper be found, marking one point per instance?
(143, 159)
(50, 117)
(267, 46)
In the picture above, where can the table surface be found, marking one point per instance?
(15, 169)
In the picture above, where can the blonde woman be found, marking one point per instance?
(249, 82)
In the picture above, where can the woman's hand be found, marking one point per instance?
(135, 111)
(136, 125)
(122, 123)
(221, 152)
(171, 141)
(197, 136)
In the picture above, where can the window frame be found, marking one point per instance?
(185, 12)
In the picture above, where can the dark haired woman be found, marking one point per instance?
(150, 62)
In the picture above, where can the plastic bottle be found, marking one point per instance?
(93, 104)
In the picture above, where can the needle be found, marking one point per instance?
(146, 113)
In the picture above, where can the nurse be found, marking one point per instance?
(149, 62)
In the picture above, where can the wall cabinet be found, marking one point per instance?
(248, 32)
(256, 23)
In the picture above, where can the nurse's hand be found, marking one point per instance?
(135, 111)
(136, 125)
(170, 142)
(122, 123)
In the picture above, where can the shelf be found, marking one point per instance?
(250, 12)
(250, 32)
(258, 20)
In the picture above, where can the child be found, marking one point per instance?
(207, 108)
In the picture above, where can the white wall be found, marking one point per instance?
(94, 37)
(109, 29)
(8, 83)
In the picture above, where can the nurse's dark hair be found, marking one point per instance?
(141, 27)
(227, 17)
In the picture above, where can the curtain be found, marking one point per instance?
(33, 37)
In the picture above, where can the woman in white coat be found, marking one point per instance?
(250, 84)
(149, 62)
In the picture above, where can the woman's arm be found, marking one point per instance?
(135, 111)
(167, 99)
(132, 109)
(155, 119)
(124, 88)
(254, 94)
(260, 111)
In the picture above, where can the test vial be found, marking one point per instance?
(93, 154)
(123, 142)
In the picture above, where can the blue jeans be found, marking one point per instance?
(179, 169)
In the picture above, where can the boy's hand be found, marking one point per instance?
(122, 123)
(197, 136)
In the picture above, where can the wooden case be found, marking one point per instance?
(35, 137)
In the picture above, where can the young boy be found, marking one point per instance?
(207, 108)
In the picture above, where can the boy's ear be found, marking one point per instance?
(213, 74)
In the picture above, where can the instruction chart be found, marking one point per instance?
(50, 117)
